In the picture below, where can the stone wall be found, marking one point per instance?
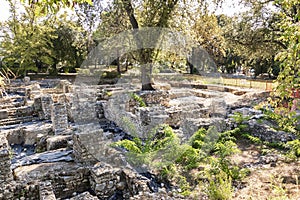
(86, 142)
(42, 105)
(5, 171)
(66, 178)
(59, 118)
(107, 181)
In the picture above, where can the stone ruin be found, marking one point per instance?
(55, 137)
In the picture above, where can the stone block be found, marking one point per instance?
(3, 114)
(57, 142)
(42, 106)
(59, 118)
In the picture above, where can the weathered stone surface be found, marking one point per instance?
(49, 156)
(59, 118)
(84, 112)
(106, 180)
(57, 142)
(66, 178)
(91, 145)
(268, 133)
(86, 142)
(31, 132)
(28, 133)
(3, 114)
(42, 106)
(46, 191)
(84, 196)
(5, 162)
(15, 136)
(155, 97)
(190, 126)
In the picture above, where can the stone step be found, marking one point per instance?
(17, 120)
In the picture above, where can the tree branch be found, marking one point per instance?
(130, 12)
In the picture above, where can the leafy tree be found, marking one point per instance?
(26, 40)
(88, 17)
(252, 40)
(289, 58)
(69, 47)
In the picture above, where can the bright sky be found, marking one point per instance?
(4, 10)
(230, 7)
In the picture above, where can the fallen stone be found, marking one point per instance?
(84, 196)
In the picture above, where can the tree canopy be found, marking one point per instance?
(265, 38)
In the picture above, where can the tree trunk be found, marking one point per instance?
(147, 81)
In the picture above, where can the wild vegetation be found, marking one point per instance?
(264, 39)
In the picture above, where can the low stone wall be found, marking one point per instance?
(5, 163)
(42, 105)
(66, 178)
(106, 181)
(86, 142)
(59, 118)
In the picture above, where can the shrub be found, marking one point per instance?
(219, 186)
(294, 148)
(189, 158)
(197, 139)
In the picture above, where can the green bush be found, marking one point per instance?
(294, 148)
(189, 158)
(220, 186)
(197, 139)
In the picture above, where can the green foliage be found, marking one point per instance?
(34, 43)
(289, 58)
(285, 119)
(138, 99)
(278, 189)
(224, 149)
(220, 186)
(54, 5)
(189, 157)
(131, 146)
(174, 161)
(253, 139)
(197, 139)
(294, 148)
(162, 142)
(240, 118)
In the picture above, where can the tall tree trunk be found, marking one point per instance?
(146, 55)
(146, 62)
(145, 58)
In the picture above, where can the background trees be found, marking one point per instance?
(265, 38)
(35, 42)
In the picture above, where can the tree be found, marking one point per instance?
(155, 14)
(289, 77)
(88, 17)
(252, 40)
(69, 47)
(26, 40)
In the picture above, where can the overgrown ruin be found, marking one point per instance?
(55, 137)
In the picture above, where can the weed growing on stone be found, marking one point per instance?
(277, 189)
(138, 99)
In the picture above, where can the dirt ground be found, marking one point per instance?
(272, 175)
